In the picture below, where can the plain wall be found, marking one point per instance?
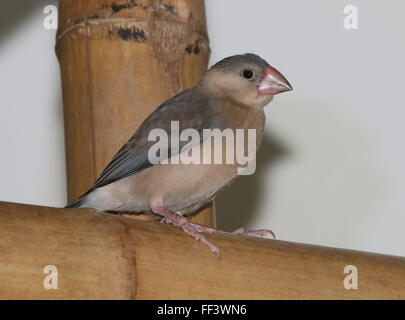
(331, 170)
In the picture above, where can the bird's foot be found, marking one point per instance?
(254, 233)
(191, 229)
(241, 231)
(206, 229)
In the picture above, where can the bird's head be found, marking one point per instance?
(246, 79)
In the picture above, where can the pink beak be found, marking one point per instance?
(273, 83)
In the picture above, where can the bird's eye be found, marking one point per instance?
(248, 74)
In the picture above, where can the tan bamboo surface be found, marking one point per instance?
(102, 256)
(119, 60)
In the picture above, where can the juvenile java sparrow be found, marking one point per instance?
(231, 94)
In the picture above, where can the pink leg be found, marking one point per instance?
(188, 227)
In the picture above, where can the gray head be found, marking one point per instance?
(246, 78)
(248, 65)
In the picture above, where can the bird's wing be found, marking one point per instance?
(191, 109)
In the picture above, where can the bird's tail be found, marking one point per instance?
(78, 202)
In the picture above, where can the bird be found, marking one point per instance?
(229, 96)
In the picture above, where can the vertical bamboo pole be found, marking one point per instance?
(119, 60)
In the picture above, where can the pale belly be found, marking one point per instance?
(182, 188)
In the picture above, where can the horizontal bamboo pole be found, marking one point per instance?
(102, 256)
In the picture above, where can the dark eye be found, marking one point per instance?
(248, 74)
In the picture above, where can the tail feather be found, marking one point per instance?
(78, 202)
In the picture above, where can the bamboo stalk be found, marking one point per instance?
(119, 60)
(102, 256)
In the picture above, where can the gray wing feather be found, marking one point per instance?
(191, 109)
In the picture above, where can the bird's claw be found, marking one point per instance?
(195, 230)
(192, 229)
(254, 233)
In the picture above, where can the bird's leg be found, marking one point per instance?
(188, 227)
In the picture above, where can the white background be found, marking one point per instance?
(331, 170)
